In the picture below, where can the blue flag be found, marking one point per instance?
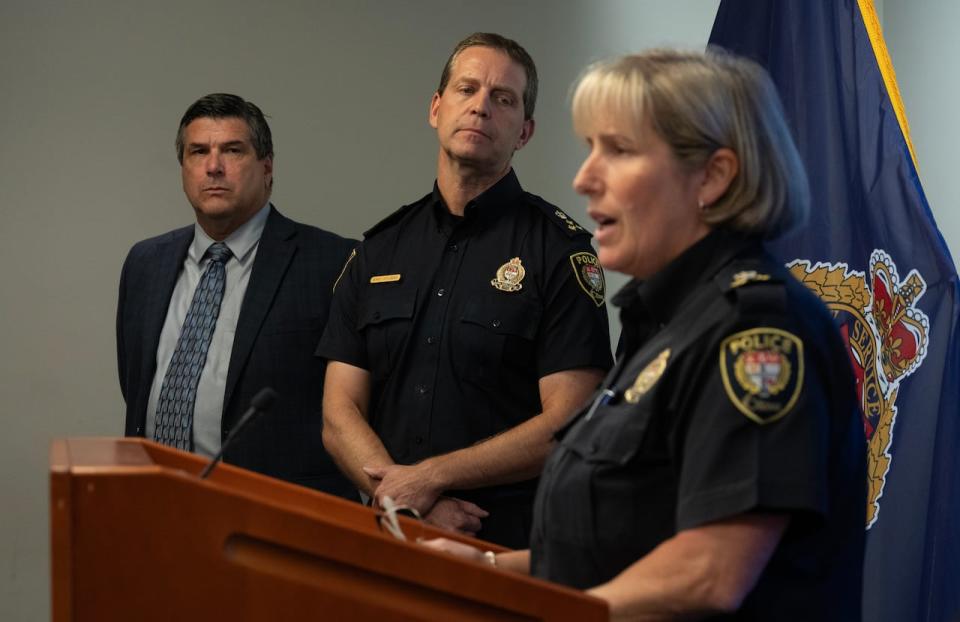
(874, 255)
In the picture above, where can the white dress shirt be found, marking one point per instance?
(208, 408)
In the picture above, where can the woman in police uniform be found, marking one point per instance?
(720, 469)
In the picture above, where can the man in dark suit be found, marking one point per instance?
(211, 313)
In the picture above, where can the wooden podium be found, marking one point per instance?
(136, 535)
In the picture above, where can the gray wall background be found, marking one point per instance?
(91, 96)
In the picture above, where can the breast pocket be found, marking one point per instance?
(495, 340)
(385, 321)
(627, 484)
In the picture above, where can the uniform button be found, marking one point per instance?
(418, 440)
(431, 340)
(496, 323)
(594, 447)
(441, 292)
(376, 315)
(421, 389)
(453, 248)
(139, 430)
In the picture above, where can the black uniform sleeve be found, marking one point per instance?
(341, 340)
(755, 428)
(574, 332)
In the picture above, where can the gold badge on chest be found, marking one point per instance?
(647, 378)
(509, 276)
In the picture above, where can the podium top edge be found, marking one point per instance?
(70, 453)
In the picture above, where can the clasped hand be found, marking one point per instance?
(414, 487)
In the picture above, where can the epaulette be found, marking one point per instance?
(744, 272)
(750, 281)
(393, 218)
(556, 215)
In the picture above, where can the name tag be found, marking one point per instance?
(385, 278)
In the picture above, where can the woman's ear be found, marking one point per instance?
(718, 173)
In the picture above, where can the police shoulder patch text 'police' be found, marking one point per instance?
(589, 275)
(762, 372)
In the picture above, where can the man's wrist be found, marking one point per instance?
(435, 474)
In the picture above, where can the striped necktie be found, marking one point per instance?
(174, 419)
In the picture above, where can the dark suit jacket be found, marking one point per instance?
(281, 319)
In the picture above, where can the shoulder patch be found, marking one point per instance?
(762, 372)
(557, 216)
(586, 267)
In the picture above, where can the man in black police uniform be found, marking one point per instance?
(470, 324)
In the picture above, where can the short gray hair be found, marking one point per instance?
(697, 103)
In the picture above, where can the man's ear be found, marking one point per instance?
(434, 107)
(268, 170)
(526, 134)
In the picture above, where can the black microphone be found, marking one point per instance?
(260, 403)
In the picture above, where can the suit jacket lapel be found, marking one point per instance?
(274, 252)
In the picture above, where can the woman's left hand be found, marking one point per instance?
(455, 548)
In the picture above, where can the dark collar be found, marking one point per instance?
(485, 207)
(658, 299)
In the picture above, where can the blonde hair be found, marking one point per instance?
(698, 103)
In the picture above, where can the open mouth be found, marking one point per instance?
(604, 224)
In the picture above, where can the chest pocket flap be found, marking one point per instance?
(504, 315)
(614, 435)
(385, 303)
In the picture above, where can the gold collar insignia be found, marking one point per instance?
(747, 276)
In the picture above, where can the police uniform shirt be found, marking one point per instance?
(734, 395)
(457, 319)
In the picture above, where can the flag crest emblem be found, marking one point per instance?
(886, 337)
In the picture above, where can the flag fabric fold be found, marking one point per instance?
(873, 253)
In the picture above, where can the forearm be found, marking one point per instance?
(512, 561)
(519, 453)
(347, 436)
(698, 572)
(515, 455)
(352, 444)
(656, 589)
(515, 561)
(512, 456)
